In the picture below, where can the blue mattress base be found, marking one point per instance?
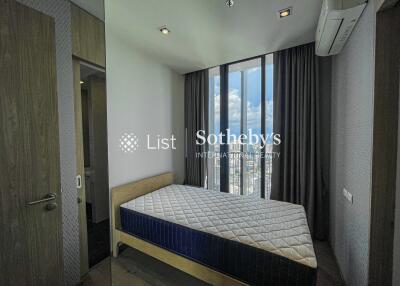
(243, 262)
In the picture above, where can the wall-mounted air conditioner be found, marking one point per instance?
(336, 22)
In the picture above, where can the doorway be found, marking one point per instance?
(92, 160)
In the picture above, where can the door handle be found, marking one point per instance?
(48, 197)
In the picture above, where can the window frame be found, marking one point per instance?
(224, 123)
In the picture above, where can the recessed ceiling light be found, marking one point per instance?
(230, 3)
(285, 12)
(82, 82)
(165, 30)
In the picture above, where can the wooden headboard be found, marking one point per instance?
(130, 191)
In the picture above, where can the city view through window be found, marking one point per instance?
(244, 117)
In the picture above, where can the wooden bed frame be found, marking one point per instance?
(125, 193)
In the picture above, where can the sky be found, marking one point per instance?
(253, 88)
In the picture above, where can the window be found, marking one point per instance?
(247, 166)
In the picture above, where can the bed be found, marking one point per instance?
(216, 237)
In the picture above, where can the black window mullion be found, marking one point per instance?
(263, 123)
(224, 125)
(242, 130)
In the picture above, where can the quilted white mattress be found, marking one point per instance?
(277, 227)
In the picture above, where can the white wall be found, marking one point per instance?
(351, 149)
(143, 97)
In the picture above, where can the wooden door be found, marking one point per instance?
(88, 36)
(30, 234)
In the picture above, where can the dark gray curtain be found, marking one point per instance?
(296, 173)
(196, 118)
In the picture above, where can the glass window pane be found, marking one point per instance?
(245, 118)
(214, 129)
(269, 71)
(234, 125)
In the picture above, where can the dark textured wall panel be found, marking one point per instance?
(351, 147)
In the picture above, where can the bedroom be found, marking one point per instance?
(230, 142)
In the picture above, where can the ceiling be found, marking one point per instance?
(207, 33)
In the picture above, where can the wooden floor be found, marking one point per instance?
(328, 270)
(135, 268)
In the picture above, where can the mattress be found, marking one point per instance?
(260, 242)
